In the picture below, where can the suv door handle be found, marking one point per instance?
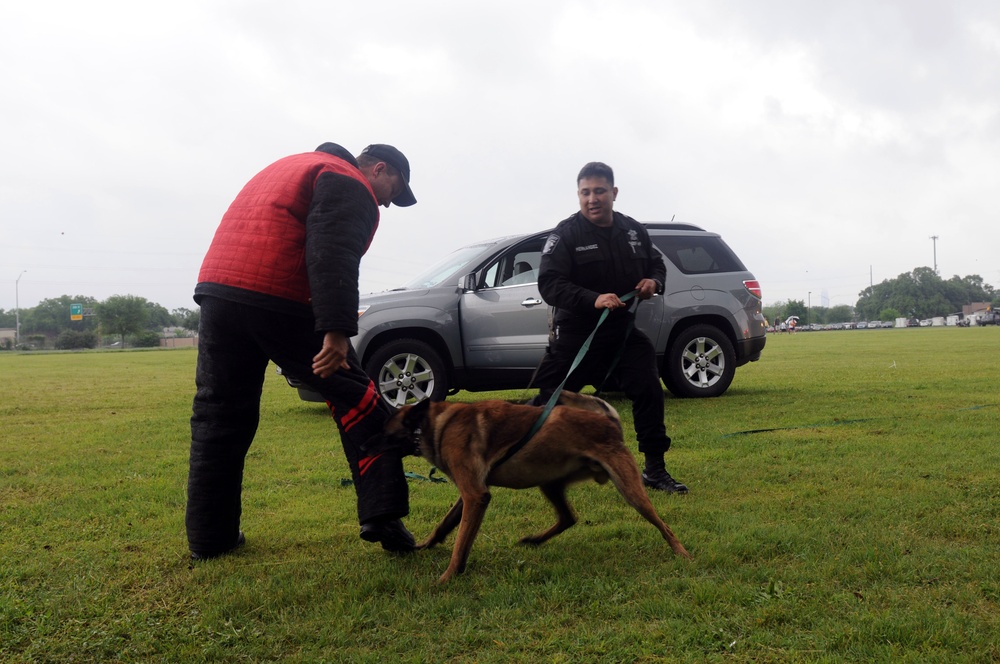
(531, 302)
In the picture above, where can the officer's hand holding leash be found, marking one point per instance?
(608, 301)
(645, 289)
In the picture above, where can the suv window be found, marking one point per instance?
(698, 255)
(515, 267)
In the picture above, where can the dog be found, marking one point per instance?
(581, 439)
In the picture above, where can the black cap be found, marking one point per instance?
(397, 160)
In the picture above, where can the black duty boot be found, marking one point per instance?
(391, 533)
(661, 480)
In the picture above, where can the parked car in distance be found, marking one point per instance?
(475, 320)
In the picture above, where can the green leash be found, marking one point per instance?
(555, 395)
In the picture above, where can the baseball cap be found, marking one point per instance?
(397, 160)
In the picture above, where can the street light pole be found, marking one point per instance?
(17, 310)
(935, 239)
(809, 308)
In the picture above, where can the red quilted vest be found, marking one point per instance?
(260, 243)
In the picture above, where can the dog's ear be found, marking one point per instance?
(416, 414)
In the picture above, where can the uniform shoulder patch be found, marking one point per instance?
(550, 244)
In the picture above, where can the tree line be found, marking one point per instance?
(922, 293)
(129, 319)
(919, 294)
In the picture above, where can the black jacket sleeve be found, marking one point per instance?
(555, 275)
(342, 217)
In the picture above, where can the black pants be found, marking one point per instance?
(235, 342)
(635, 373)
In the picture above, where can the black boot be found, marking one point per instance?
(655, 476)
(391, 533)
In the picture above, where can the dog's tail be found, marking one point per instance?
(593, 404)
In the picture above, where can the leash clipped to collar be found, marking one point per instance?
(555, 394)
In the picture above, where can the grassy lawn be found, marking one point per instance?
(844, 507)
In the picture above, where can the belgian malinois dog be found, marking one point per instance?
(581, 439)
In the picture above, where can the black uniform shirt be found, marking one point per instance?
(581, 261)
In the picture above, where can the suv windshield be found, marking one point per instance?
(446, 268)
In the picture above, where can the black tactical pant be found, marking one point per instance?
(235, 342)
(635, 374)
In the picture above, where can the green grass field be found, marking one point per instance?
(844, 507)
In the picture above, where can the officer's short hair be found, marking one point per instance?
(597, 169)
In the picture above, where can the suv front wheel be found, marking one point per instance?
(407, 371)
(701, 362)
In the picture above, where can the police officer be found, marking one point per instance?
(590, 260)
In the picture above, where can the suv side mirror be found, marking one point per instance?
(468, 282)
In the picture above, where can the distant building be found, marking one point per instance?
(177, 331)
(978, 313)
(975, 308)
(178, 342)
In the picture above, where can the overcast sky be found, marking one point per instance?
(827, 142)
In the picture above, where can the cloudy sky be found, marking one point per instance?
(826, 141)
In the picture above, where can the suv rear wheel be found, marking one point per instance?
(701, 362)
(407, 371)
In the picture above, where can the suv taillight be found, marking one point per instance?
(753, 286)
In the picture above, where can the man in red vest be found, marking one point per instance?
(280, 283)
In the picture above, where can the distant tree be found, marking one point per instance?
(780, 311)
(52, 316)
(146, 339)
(73, 339)
(157, 316)
(922, 293)
(796, 308)
(889, 314)
(773, 312)
(840, 313)
(7, 318)
(817, 314)
(186, 318)
(123, 315)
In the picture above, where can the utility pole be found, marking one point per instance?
(935, 238)
(17, 310)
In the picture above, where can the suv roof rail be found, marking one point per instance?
(671, 226)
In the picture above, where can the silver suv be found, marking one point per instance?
(475, 320)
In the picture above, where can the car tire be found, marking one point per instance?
(407, 371)
(700, 363)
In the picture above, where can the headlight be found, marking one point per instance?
(363, 308)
